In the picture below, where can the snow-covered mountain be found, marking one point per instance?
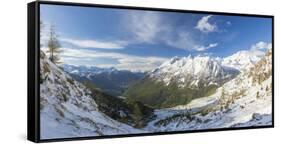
(243, 59)
(109, 80)
(67, 108)
(180, 80)
(244, 101)
(193, 71)
(86, 70)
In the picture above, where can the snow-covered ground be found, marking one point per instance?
(241, 112)
(67, 108)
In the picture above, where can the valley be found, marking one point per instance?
(186, 93)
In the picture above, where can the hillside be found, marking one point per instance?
(244, 101)
(67, 108)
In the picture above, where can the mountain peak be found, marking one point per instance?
(244, 59)
(187, 69)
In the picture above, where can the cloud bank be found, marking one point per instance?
(96, 43)
(120, 61)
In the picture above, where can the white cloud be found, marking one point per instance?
(205, 26)
(152, 27)
(96, 43)
(148, 27)
(185, 41)
(204, 48)
(145, 26)
(261, 46)
(82, 43)
(124, 61)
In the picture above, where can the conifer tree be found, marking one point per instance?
(54, 46)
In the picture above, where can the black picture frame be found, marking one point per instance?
(33, 106)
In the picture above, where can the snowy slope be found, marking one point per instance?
(244, 101)
(189, 71)
(67, 108)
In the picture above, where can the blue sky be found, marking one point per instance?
(142, 40)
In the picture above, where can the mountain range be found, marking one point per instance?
(109, 80)
(181, 80)
(181, 94)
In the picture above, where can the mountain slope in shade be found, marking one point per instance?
(242, 102)
(180, 80)
(67, 108)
